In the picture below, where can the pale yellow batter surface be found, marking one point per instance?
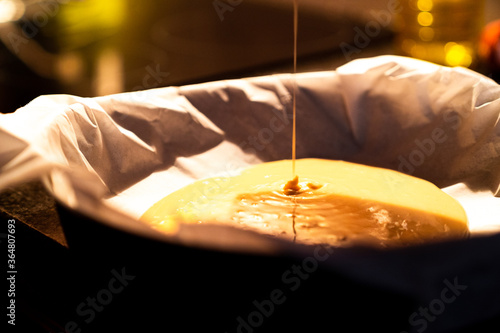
(333, 202)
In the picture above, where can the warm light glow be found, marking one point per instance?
(457, 55)
(419, 51)
(407, 45)
(425, 19)
(168, 226)
(70, 67)
(426, 34)
(488, 41)
(11, 10)
(109, 76)
(82, 23)
(428, 25)
(425, 5)
(93, 13)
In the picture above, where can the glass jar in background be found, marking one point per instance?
(445, 32)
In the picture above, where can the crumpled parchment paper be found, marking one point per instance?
(112, 157)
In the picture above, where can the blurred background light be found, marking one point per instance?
(425, 19)
(97, 47)
(11, 10)
(426, 34)
(425, 5)
(458, 55)
(445, 32)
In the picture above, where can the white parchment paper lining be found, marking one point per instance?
(112, 157)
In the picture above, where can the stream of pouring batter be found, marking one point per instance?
(294, 97)
(292, 188)
(294, 94)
